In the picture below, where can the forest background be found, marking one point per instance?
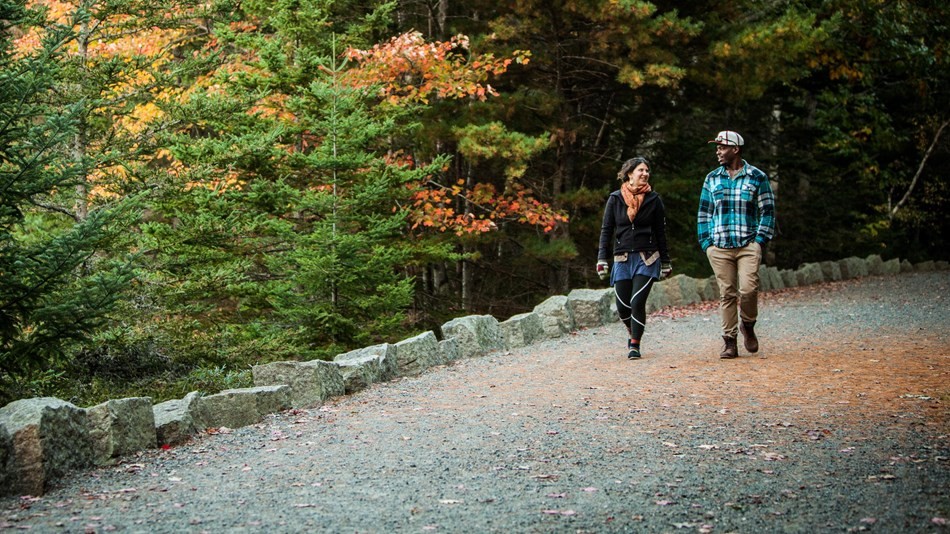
(192, 187)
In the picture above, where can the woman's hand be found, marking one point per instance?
(603, 270)
(666, 269)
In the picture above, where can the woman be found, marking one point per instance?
(634, 229)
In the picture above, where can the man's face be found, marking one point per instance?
(726, 154)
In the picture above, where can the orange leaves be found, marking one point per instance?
(408, 69)
(437, 207)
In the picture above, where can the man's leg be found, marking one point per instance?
(723, 264)
(748, 260)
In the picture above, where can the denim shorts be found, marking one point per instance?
(634, 265)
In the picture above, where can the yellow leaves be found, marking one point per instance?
(658, 74)
(631, 76)
(274, 106)
(230, 180)
(140, 117)
(665, 75)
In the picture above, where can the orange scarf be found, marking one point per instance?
(633, 197)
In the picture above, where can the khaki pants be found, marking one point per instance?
(737, 274)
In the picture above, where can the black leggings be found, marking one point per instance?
(632, 303)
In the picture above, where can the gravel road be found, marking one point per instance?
(839, 424)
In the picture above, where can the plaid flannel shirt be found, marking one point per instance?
(735, 211)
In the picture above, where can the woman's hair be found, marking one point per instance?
(629, 165)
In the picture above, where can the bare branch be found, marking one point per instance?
(920, 169)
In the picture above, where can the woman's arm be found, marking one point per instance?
(607, 229)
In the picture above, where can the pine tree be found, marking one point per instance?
(282, 233)
(54, 287)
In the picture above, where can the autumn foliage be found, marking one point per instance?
(408, 69)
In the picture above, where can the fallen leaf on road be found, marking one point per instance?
(919, 397)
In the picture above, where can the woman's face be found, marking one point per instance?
(639, 176)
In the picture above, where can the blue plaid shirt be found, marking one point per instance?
(735, 211)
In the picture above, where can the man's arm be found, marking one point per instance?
(766, 230)
(704, 217)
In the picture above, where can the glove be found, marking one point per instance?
(665, 270)
(603, 270)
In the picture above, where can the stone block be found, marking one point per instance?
(449, 349)
(765, 283)
(362, 367)
(925, 267)
(476, 335)
(177, 420)
(789, 278)
(522, 329)
(891, 266)
(556, 316)
(708, 288)
(310, 382)
(875, 265)
(853, 267)
(831, 271)
(591, 307)
(775, 279)
(120, 427)
(907, 266)
(43, 439)
(234, 408)
(416, 354)
(941, 265)
(811, 274)
(658, 298)
(681, 290)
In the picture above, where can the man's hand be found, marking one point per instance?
(603, 270)
(665, 270)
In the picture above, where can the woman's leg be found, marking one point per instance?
(641, 286)
(631, 306)
(623, 290)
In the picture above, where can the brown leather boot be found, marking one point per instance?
(748, 336)
(730, 350)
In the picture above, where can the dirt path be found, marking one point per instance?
(839, 423)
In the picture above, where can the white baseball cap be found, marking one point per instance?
(728, 138)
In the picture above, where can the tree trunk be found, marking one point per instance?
(80, 141)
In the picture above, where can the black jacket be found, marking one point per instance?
(647, 233)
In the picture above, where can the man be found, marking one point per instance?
(736, 219)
